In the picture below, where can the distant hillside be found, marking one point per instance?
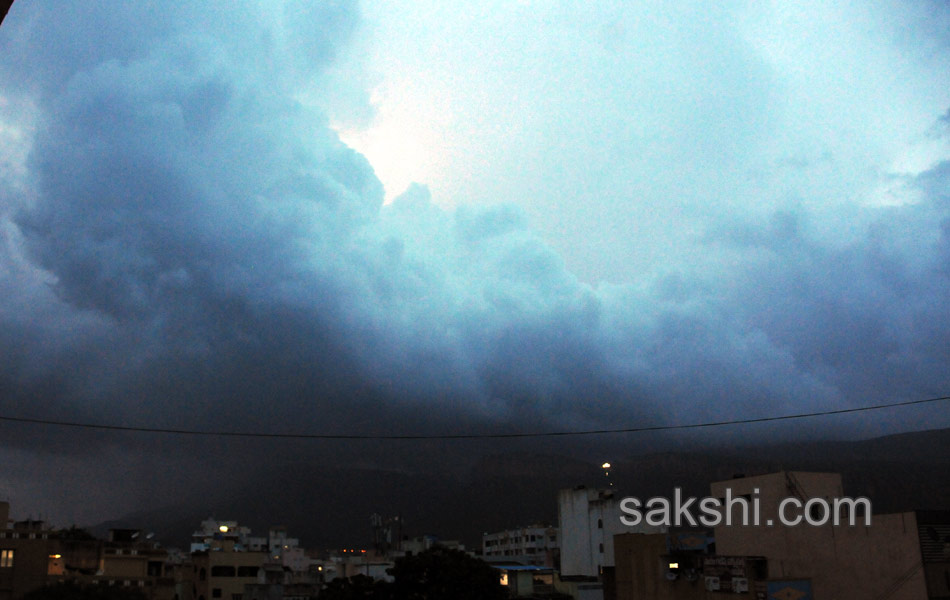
(329, 507)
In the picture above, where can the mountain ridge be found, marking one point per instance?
(330, 506)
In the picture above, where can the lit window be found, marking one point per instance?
(6, 558)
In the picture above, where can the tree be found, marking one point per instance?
(358, 587)
(445, 574)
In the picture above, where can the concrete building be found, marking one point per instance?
(129, 558)
(898, 556)
(526, 580)
(418, 544)
(587, 522)
(222, 571)
(33, 555)
(26, 550)
(535, 545)
(588, 519)
(231, 564)
(213, 531)
(895, 556)
(650, 566)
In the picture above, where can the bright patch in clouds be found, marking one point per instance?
(618, 127)
(407, 140)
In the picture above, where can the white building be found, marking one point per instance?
(534, 545)
(286, 550)
(588, 519)
(214, 532)
(283, 550)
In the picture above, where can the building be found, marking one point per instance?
(231, 564)
(898, 556)
(222, 571)
(213, 531)
(660, 566)
(526, 580)
(801, 554)
(33, 555)
(588, 520)
(535, 545)
(26, 551)
(410, 546)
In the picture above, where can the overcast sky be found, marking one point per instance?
(442, 217)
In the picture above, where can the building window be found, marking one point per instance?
(601, 548)
(216, 593)
(600, 523)
(6, 558)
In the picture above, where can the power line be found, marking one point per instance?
(465, 436)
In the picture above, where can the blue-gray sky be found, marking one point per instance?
(403, 217)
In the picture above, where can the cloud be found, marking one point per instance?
(191, 246)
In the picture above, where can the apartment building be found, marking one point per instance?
(782, 542)
(535, 545)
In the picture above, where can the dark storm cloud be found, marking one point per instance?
(191, 247)
(866, 317)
